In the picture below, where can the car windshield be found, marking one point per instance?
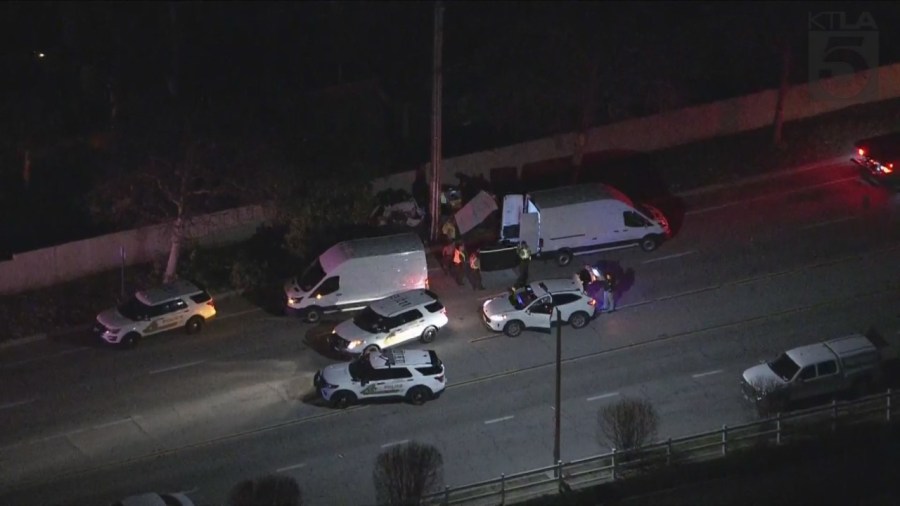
(370, 321)
(360, 368)
(520, 299)
(133, 309)
(784, 367)
(311, 276)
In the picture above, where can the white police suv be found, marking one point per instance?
(535, 305)
(413, 314)
(180, 304)
(414, 375)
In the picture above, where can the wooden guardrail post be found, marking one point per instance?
(724, 439)
(777, 429)
(614, 464)
(833, 415)
(889, 405)
(502, 489)
(446, 495)
(669, 452)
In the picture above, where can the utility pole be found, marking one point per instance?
(556, 457)
(436, 106)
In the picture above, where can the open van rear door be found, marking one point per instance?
(529, 231)
(512, 211)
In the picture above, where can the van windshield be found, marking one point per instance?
(311, 276)
(521, 298)
(370, 321)
(134, 310)
(784, 367)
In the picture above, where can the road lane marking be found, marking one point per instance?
(496, 420)
(239, 313)
(829, 222)
(602, 396)
(44, 357)
(707, 373)
(290, 468)
(9, 405)
(484, 337)
(176, 367)
(769, 196)
(395, 443)
(669, 257)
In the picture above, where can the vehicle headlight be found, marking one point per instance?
(112, 331)
(497, 317)
(354, 344)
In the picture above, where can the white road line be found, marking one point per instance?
(111, 424)
(484, 337)
(829, 222)
(289, 468)
(769, 195)
(17, 403)
(395, 443)
(669, 257)
(44, 357)
(707, 373)
(495, 420)
(176, 367)
(239, 313)
(602, 396)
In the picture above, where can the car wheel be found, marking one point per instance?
(513, 328)
(131, 340)
(342, 399)
(579, 320)
(314, 315)
(429, 334)
(649, 243)
(194, 325)
(370, 349)
(564, 258)
(418, 395)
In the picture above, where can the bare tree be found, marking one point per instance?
(629, 423)
(405, 474)
(269, 490)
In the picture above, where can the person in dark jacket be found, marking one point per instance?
(609, 293)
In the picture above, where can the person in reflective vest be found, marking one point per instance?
(524, 261)
(459, 263)
(475, 271)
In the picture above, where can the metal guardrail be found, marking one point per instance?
(608, 467)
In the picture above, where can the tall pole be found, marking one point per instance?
(556, 456)
(436, 101)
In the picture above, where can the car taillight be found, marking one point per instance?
(211, 303)
(443, 311)
(862, 152)
(592, 302)
(440, 378)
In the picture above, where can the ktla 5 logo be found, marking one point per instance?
(843, 56)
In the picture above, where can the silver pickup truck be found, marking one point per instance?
(851, 365)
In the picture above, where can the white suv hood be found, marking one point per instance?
(113, 319)
(498, 306)
(337, 374)
(351, 332)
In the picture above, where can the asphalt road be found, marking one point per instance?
(753, 270)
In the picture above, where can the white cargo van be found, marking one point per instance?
(351, 274)
(580, 219)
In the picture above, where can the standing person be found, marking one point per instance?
(449, 230)
(475, 270)
(524, 261)
(609, 293)
(447, 257)
(459, 263)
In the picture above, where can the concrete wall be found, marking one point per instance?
(49, 266)
(716, 119)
